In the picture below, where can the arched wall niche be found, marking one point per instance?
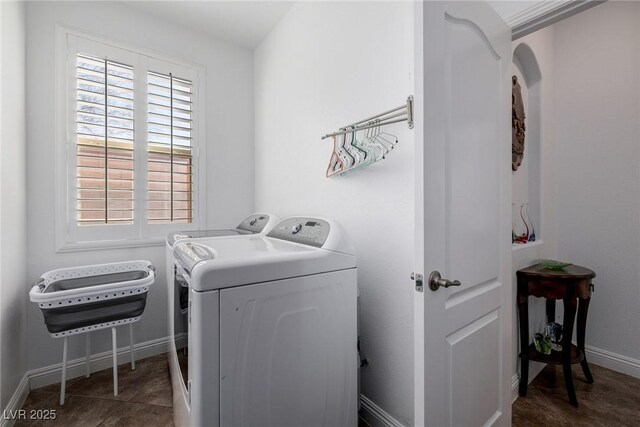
(526, 180)
(525, 60)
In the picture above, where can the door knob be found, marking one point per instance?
(436, 281)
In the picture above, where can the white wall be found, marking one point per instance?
(597, 72)
(229, 131)
(325, 65)
(13, 231)
(533, 58)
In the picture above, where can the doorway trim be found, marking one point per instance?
(545, 13)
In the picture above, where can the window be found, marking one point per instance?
(104, 142)
(170, 157)
(132, 125)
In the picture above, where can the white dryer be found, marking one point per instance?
(177, 288)
(272, 328)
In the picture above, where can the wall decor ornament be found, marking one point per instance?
(517, 124)
(529, 223)
(522, 230)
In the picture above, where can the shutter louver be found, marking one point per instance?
(104, 116)
(169, 124)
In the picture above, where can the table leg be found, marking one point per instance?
(523, 316)
(551, 310)
(583, 308)
(570, 304)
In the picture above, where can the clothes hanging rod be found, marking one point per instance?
(380, 120)
(368, 119)
(383, 120)
(343, 132)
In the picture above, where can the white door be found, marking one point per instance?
(463, 333)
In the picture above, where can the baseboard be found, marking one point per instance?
(613, 361)
(16, 402)
(51, 374)
(375, 416)
(515, 382)
(534, 369)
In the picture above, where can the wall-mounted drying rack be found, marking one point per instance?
(352, 152)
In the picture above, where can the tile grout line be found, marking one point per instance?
(109, 399)
(111, 414)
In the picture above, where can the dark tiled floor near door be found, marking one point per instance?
(144, 398)
(613, 400)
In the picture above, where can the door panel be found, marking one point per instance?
(471, 142)
(462, 375)
(471, 355)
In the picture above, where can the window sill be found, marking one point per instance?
(518, 246)
(110, 244)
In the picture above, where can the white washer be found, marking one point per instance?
(253, 224)
(177, 288)
(272, 328)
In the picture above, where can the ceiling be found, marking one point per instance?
(508, 9)
(247, 23)
(243, 23)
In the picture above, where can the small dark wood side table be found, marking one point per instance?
(571, 284)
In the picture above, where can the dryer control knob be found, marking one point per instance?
(296, 228)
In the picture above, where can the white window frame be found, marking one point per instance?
(69, 235)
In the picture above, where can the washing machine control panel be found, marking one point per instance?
(254, 223)
(188, 254)
(307, 231)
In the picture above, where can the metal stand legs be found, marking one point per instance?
(63, 383)
(87, 362)
(114, 350)
(133, 359)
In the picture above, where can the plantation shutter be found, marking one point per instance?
(104, 142)
(170, 149)
(130, 142)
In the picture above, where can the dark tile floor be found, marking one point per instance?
(613, 400)
(144, 398)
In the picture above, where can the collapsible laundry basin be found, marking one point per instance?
(84, 299)
(77, 299)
